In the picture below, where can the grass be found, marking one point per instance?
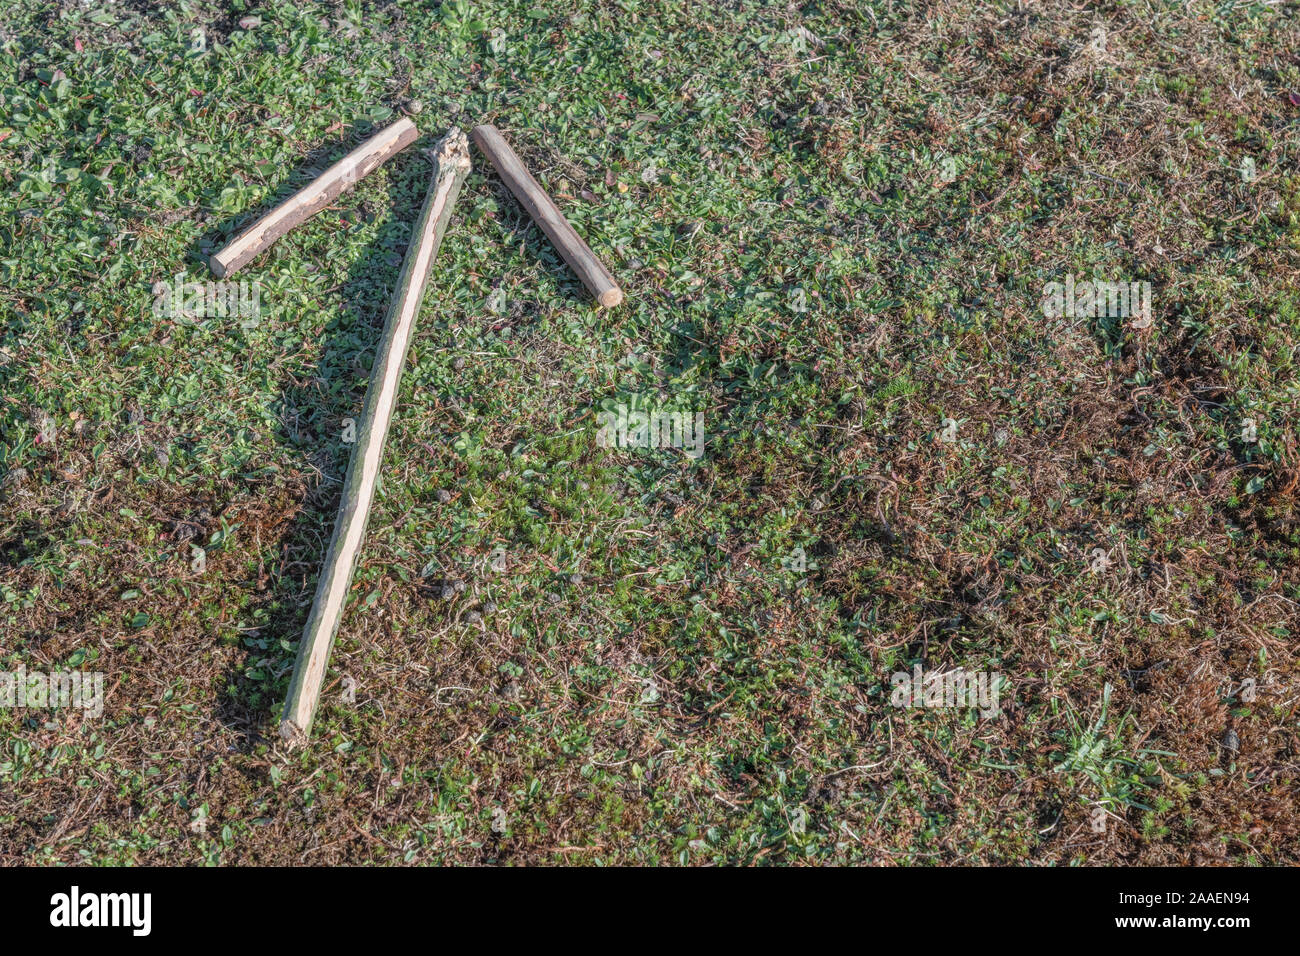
(834, 223)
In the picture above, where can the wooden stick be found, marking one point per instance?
(313, 197)
(538, 205)
(451, 165)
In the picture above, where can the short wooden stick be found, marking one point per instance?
(313, 197)
(451, 165)
(539, 207)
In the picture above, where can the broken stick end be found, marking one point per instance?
(452, 149)
(292, 734)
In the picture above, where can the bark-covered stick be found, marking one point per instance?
(539, 207)
(313, 197)
(451, 165)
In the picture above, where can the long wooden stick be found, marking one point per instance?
(313, 197)
(451, 165)
(538, 205)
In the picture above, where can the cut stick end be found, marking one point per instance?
(611, 297)
(486, 129)
(217, 266)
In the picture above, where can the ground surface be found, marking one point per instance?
(635, 670)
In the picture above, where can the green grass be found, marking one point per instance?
(834, 223)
